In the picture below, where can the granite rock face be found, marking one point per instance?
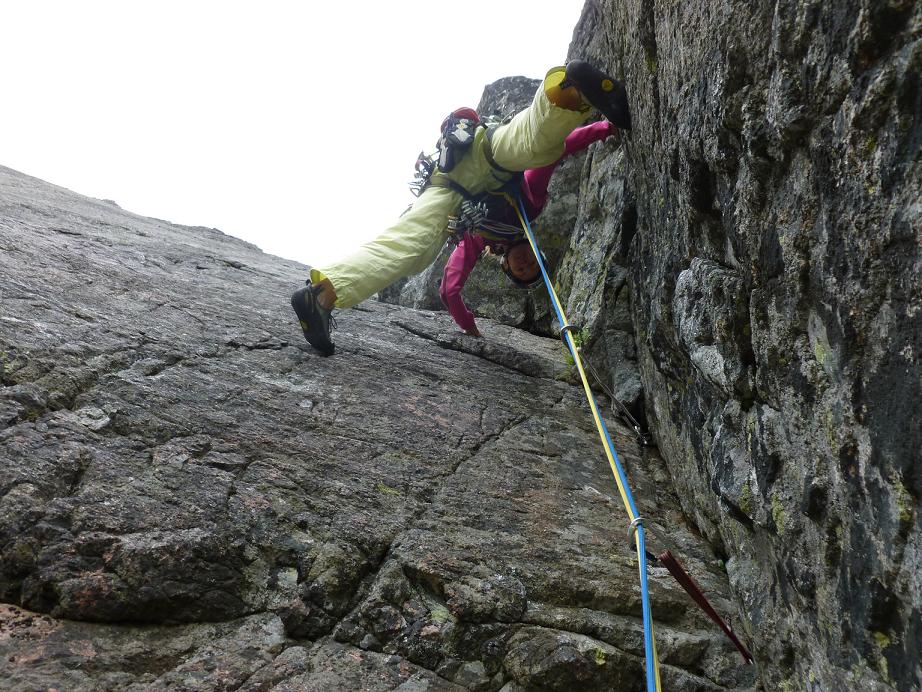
(192, 498)
(595, 207)
(772, 259)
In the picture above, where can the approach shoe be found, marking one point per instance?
(604, 93)
(316, 321)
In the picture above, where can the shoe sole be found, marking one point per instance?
(606, 94)
(300, 308)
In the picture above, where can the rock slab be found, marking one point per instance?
(192, 498)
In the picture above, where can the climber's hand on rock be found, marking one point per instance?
(613, 131)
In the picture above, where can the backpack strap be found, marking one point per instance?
(508, 180)
(502, 175)
(442, 180)
(488, 152)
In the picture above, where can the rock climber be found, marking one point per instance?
(518, 258)
(533, 138)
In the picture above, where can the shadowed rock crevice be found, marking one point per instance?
(533, 357)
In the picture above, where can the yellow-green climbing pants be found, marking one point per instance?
(533, 138)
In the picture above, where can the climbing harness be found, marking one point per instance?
(474, 216)
(637, 529)
(488, 214)
(482, 214)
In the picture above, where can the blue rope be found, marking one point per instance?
(649, 644)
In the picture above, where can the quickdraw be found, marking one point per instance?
(474, 217)
(423, 170)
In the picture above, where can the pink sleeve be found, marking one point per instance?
(457, 269)
(537, 179)
(583, 136)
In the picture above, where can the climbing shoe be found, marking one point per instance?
(316, 321)
(601, 91)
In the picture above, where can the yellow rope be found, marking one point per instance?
(597, 417)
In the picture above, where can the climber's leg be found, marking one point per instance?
(406, 248)
(534, 137)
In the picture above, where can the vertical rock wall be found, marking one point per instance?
(775, 290)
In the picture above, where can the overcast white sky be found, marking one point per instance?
(293, 125)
